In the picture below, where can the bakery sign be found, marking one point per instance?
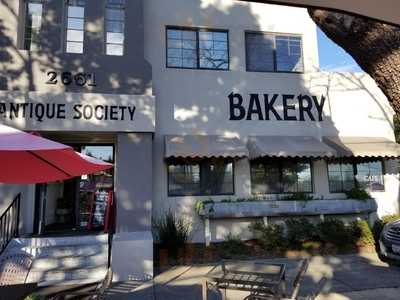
(78, 112)
(278, 107)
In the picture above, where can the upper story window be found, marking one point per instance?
(202, 177)
(344, 176)
(197, 48)
(278, 176)
(115, 27)
(33, 23)
(268, 52)
(75, 26)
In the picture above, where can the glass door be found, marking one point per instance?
(95, 190)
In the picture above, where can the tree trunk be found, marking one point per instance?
(374, 46)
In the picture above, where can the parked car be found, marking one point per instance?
(389, 241)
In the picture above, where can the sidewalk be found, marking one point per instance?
(350, 277)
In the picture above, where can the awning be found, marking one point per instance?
(204, 146)
(288, 146)
(363, 146)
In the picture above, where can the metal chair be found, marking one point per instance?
(97, 294)
(14, 268)
(296, 285)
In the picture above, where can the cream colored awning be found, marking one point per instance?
(204, 146)
(288, 146)
(363, 146)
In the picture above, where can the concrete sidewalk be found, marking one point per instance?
(350, 277)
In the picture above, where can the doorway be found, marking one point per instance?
(79, 205)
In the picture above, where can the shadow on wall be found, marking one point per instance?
(28, 70)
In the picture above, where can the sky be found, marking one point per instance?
(334, 58)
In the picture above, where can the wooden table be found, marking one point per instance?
(253, 277)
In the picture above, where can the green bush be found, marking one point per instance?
(300, 230)
(358, 194)
(34, 297)
(172, 232)
(380, 223)
(361, 233)
(299, 196)
(335, 232)
(232, 246)
(271, 237)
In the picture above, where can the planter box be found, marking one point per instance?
(272, 208)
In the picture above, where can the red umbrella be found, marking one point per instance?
(26, 159)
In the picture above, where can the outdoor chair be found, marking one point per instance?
(97, 294)
(296, 286)
(14, 268)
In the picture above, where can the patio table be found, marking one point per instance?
(253, 277)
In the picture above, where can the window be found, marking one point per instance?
(344, 176)
(205, 177)
(75, 26)
(115, 27)
(276, 176)
(197, 49)
(268, 52)
(33, 23)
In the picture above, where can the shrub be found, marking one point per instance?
(172, 232)
(361, 233)
(380, 223)
(270, 236)
(232, 246)
(300, 230)
(358, 194)
(299, 196)
(335, 232)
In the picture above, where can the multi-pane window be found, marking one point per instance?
(341, 177)
(205, 177)
(197, 48)
(33, 23)
(276, 176)
(75, 30)
(268, 52)
(344, 176)
(115, 27)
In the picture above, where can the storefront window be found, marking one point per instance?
(115, 27)
(75, 25)
(33, 23)
(206, 177)
(197, 48)
(268, 52)
(344, 176)
(341, 177)
(275, 176)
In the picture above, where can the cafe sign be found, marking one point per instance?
(78, 112)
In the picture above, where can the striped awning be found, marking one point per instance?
(288, 146)
(204, 146)
(363, 146)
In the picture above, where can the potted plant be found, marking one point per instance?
(63, 210)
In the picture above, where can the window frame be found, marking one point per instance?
(187, 161)
(354, 162)
(105, 30)
(274, 34)
(197, 30)
(65, 29)
(25, 11)
(280, 162)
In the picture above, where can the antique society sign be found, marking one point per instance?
(79, 112)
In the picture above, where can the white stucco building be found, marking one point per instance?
(191, 100)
